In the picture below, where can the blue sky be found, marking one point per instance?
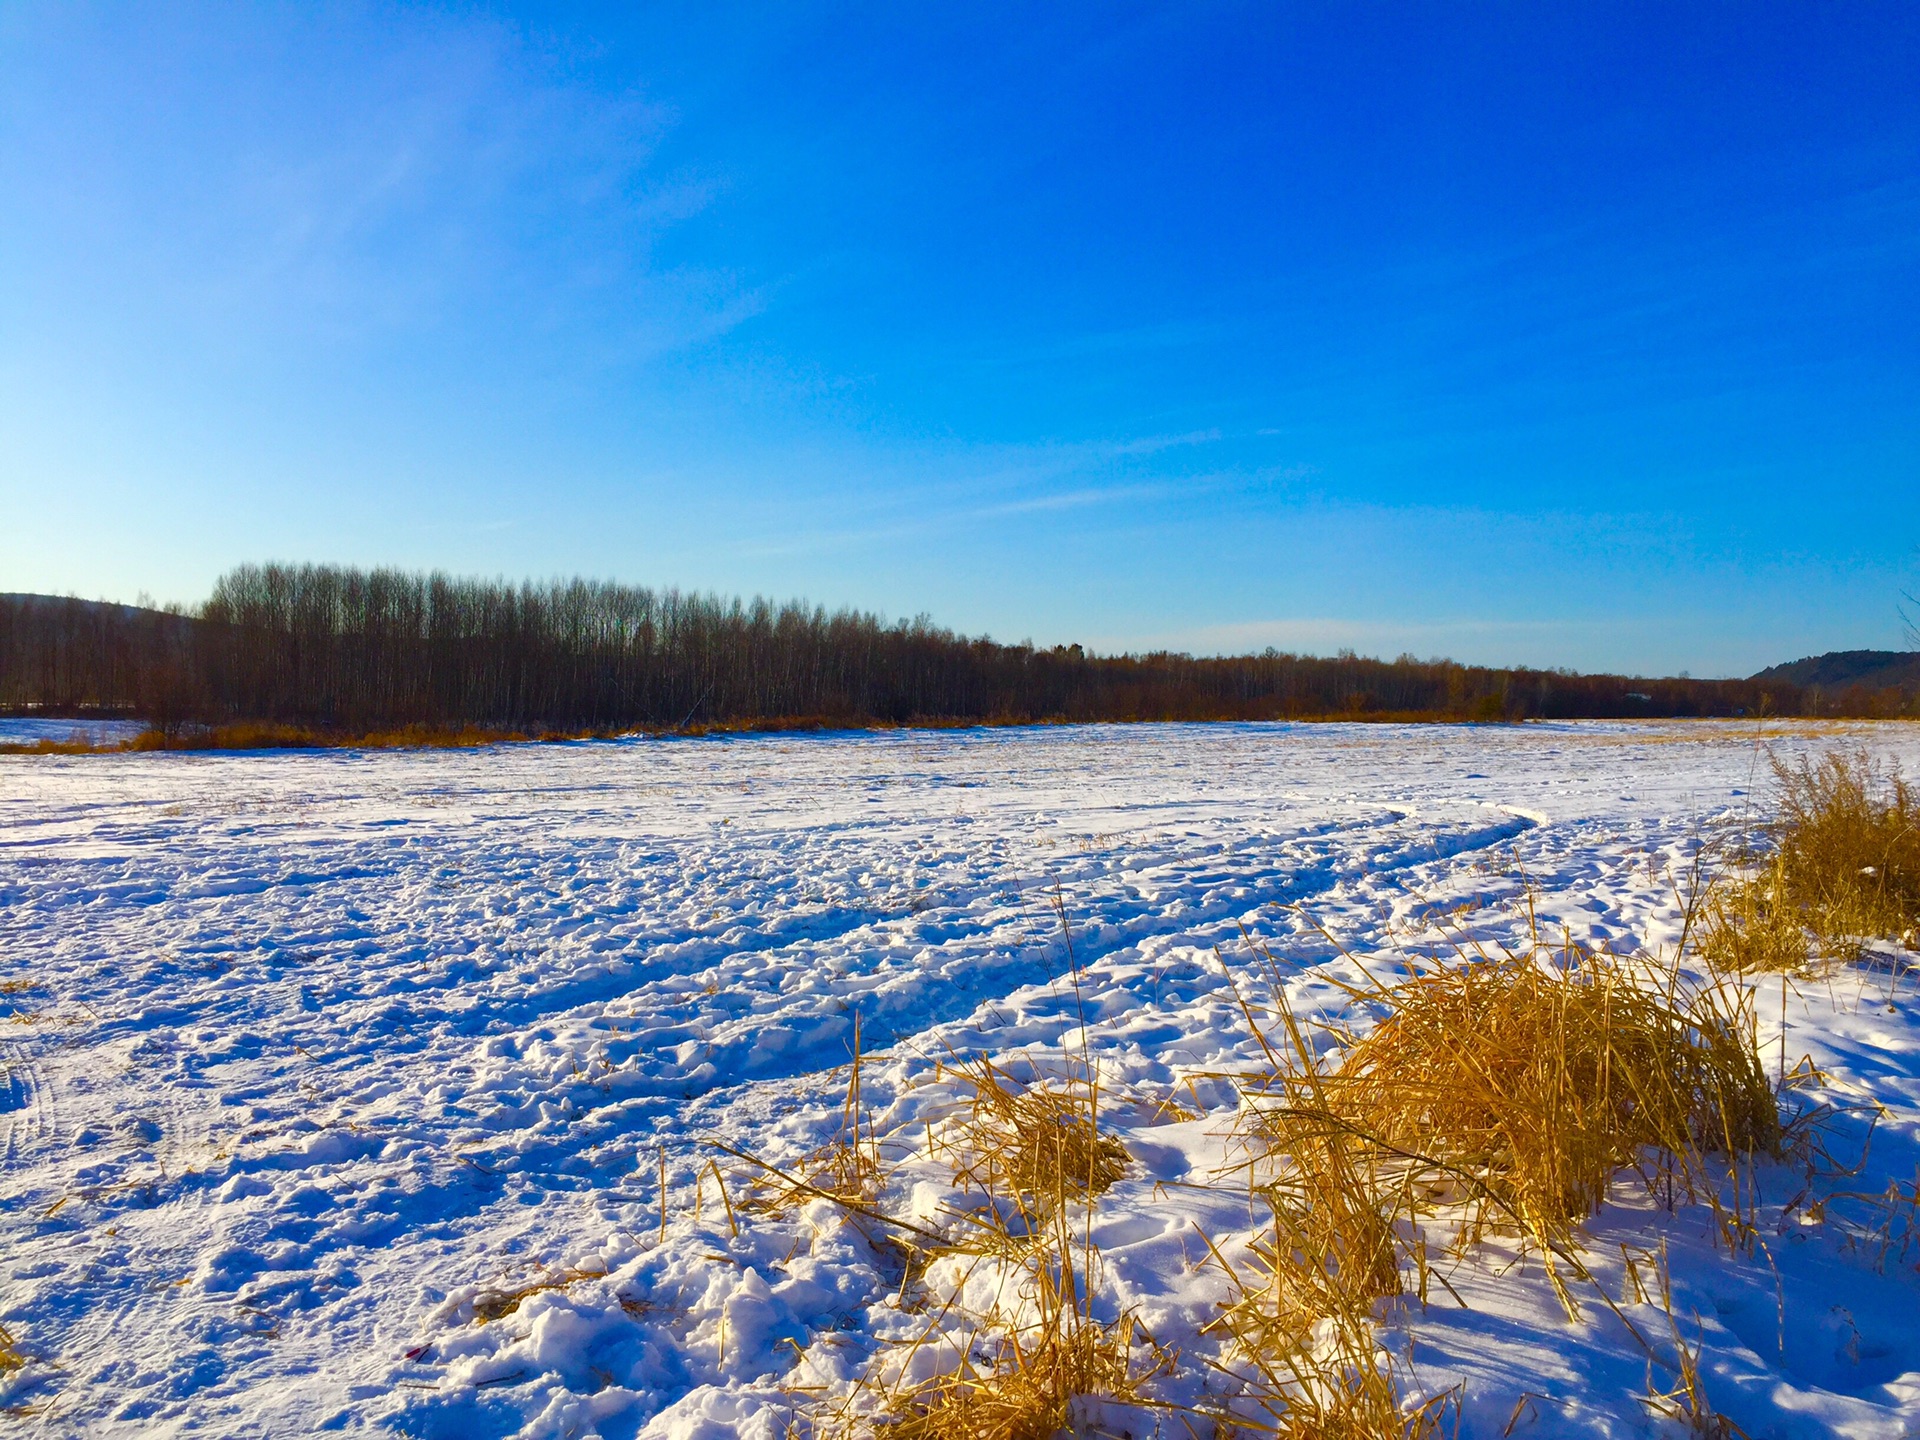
(1576, 335)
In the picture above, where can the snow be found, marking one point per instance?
(16, 730)
(314, 1061)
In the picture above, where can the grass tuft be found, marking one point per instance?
(1845, 867)
(1535, 1078)
(1509, 1090)
(1748, 925)
(1022, 1384)
(1041, 1146)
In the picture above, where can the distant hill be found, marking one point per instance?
(1843, 669)
(73, 605)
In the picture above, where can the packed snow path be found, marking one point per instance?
(309, 1053)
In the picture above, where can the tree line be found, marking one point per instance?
(361, 650)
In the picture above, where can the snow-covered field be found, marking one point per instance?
(311, 1058)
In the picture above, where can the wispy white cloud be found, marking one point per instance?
(280, 179)
(1154, 444)
(1081, 499)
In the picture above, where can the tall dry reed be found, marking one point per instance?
(1844, 868)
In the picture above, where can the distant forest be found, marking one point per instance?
(353, 650)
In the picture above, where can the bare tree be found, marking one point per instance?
(360, 650)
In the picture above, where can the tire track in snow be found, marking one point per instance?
(1212, 893)
(25, 1104)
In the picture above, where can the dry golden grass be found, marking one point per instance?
(1850, 840)
(1535, 1078)
(1302, 1353)
(1042, 1146)
(1504, 1092)
(847, 1169)
(265, 736)
(495, 1304)
(1685, 1398)
(78, 743)
(1509, 1090)
(1334, 1384)
(1845, 868)
(1334, 1203)
(1023, 1370)
(1029, 1382)
(1040, 1157)
(1748, 925)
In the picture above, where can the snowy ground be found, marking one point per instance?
(309, 1058)
(90, 732)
